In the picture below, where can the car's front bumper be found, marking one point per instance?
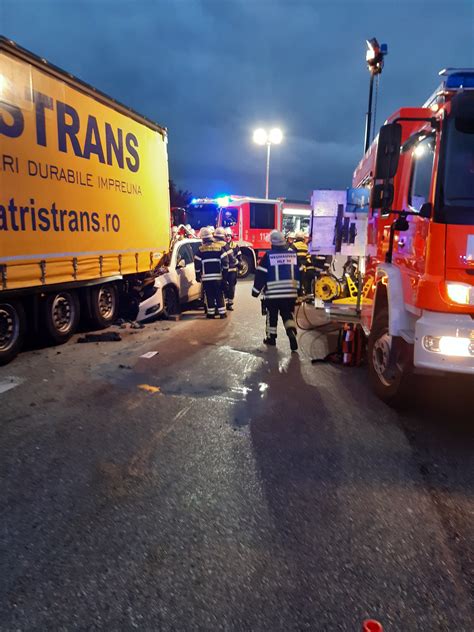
(153, 306)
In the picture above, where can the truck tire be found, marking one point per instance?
(390, 361)
(12, 330)
(171, 306)
(60, 316)
(247, 266)
(103, 305)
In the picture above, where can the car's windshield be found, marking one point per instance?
(457, 185)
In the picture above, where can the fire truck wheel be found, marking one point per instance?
(247, 266)
(390, 363)
(12, 330)
(60, 313)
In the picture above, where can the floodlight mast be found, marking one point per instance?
(375, 60)
(273, 137)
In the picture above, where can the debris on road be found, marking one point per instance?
(149, 354)
(370, 625)
(149, 388)
(125, 324)
(108, 336)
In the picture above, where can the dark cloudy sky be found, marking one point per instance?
(213, 70)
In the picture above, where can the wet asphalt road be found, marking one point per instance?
(253, 491)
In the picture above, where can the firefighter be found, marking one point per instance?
(290, 238)
(235, 264)
(304, 261)
(277, 277)
(211, 263)
(219, 237)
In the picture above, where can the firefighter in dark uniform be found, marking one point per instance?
(211, 263)
(278, 277)
(219, 237)
(304, 262)
(235, 264)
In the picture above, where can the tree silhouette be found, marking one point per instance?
(179, 197)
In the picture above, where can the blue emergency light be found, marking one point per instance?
(458, 78)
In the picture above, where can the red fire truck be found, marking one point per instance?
(419, 316)
(253, 219)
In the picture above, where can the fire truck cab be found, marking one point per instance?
(420, 240)
(251, 221)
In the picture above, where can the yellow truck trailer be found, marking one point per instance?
(84, 202)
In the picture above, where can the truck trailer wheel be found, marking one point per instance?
(12, 330)
(103, 305)
(247, 266)
(390, 364)
(60, 316)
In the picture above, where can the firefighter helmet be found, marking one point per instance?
(205, 233)
(277, 238)
(219, 233)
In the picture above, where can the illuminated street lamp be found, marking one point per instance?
(273, 137)
(375, 57)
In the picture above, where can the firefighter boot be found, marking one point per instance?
(271, 340)
(293, 340)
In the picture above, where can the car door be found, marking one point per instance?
(196, 286)
(185, 272)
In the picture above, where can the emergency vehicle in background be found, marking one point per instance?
(418, 311)
(253, 219)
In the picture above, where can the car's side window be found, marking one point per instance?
(195, 246)
(185, 253)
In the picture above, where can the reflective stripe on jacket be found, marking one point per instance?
(277, 274)
(211, 262)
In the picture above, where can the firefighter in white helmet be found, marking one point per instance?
(211, 264)
(228, 286)
(277, 276)
(235, 264)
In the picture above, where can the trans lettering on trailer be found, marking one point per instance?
(109, 145)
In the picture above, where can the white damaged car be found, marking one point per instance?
(175, 284)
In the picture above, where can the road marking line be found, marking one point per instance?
(10, 382)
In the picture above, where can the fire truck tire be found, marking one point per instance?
(390, 361)
(12, 330)
(247, 266)
(60, 312)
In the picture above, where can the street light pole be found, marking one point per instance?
(267, 180)
(273, 137)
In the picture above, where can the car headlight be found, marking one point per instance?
(461, 293)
